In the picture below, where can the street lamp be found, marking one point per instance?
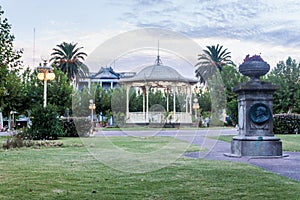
(196, 106)
(45, 73)
(92, 107)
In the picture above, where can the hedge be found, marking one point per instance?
(286, 123)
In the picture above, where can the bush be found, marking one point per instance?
(286, 123)
(45, 123)
(18, 140)
(69, 128)
(76, 126)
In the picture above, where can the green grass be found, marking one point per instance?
(73, 173)
(289, 142)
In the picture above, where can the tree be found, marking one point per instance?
(213, 59)
(232, 78)
(9, 58)
(59, 91)
(10, 63)
(103, 100)
(286, 76)
(68, 58)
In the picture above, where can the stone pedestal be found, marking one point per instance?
(255, 108)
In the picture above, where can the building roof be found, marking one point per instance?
(159, 73)
(106, 73)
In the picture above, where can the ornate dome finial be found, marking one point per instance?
(158, 60)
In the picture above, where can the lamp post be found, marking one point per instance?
(196, 106)
(92, 107)
(45, 73)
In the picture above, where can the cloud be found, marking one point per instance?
(258, 20)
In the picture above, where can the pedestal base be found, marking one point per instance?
(256, 146)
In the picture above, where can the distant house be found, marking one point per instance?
(106, 77)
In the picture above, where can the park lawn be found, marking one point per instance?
(289, 142)
(72, 172)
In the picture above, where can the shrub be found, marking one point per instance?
(286, 123)
(45, 123)
(69, 128)
(18, 140)
(76, 126)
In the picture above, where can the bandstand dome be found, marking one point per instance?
(161, 74)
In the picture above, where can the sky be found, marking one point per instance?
(267, 27)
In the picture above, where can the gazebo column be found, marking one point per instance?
(186, 104)
(168, 94)
(186, 100)
(191, 96)
(89, 84)
(144, 98)
(147, 106)
(127, 101)
(174, 103)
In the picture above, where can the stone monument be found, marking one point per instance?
(255, 113)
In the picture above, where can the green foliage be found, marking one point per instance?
(232, 78)
(69, 128)
(68, 58)
(9, 58)
(45, 123)
(286, 124)
(118, 100)
(204, 100)
(81, 102)
(17, 140)
(218, 99)
(135, 101)
(286, 76)
(60, 92)
(212, 60)
(10, 83)
(157, 98)
(103, 100)
(13, 95)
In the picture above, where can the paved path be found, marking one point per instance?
(287, 166)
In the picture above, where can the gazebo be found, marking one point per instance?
(164, 78)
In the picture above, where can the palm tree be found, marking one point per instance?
(67, 57)
(210, 61)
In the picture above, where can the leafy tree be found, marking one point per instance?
(286, 76)
(204, 100)
(9, 58)
(103, 100)
(118, 100)
(157, 98)
(59, 91)
(68, 58)
(135, 101)
(81, 102)
(213, 59)
(10, 63)
(45, 125)
(232, 78)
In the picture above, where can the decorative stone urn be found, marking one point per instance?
(254, 69)
(255, 114)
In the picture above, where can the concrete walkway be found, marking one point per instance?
(288, 166)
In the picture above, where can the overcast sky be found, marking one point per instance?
(269, 27)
